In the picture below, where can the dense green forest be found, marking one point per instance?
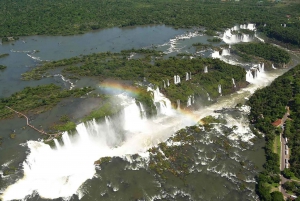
(155, 70)
(267, 105)
(64, 17)
(289, 34)
(265, 51)
(37, 99)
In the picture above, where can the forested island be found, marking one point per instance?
(265, 51)
(119, 66)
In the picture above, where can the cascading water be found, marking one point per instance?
(168, 82)
(178, 104)
(208, 97)
(230, 38)
(190, 75)
(226, 52)
(162, 103)
(143, 111)
(216, 55)
(273, 66)
(205, 69)
(189, 101)
(57, 144)
(186, 76)
(255, 73)
(178, 79)
(220, 89)
(233, 82)
(164, 84)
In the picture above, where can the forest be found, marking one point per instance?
(156, 70)
(65, 17)
(264, 50)
(267, 105)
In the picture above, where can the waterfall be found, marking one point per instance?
(208, 97)
(205, 69)
(225, 52)
(273, 66)
(233, 82)
(193, 99)
(186, 76)
(216, 54)
(262, 67)
(190, 75)
(168, 82)
(164, 83)
(220, 89)
(132, 115)
(107, 120)
(178, 104)
(189, 101)
(178, 79)
(143, 111)
(66, 139)
(57, 144)
(162, 103)
(249, 76)
(229, 37)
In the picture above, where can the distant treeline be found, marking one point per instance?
(265, 51)
(267, 105)
(65, 17)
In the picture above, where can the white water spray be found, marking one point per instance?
(233, 82)
(205, 69)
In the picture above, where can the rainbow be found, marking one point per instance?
(113, 87)
(118, 88)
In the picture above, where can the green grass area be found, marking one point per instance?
(277, 145)
(295, 179)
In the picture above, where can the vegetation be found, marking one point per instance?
(2, 67)
(268, 105)
(12, 136)
(107, 109)
(288, 34)
(33, 17)
(4, 55)
(202, 46)
(37, 99)
(265, 51)
(118, 66)
(214, 40)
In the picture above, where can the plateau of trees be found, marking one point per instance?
(265, 51)
(267, 105)
(65, 17)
